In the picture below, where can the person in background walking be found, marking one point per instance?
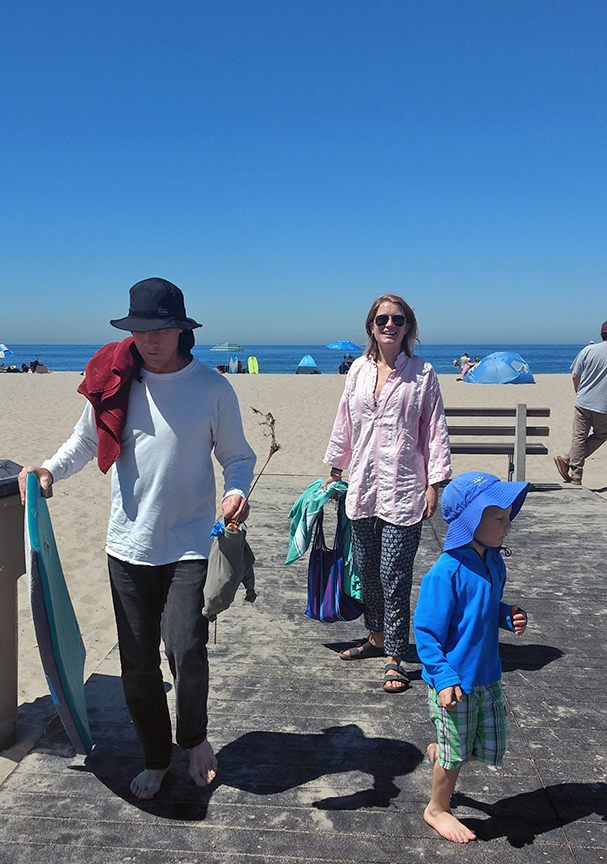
(590, 412)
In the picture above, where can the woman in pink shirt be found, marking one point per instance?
(391, 432)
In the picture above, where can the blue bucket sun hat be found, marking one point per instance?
(465, 498)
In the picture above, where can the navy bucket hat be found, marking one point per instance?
(465, 498)
(156, 304)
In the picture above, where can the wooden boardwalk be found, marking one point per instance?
(316, 762)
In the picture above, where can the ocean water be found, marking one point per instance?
(284, 359)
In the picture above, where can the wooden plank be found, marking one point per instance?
(497, 448)
(532, 431)
(518, 457)
(494, 412)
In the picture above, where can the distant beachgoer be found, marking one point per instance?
(155, 415)
(465, 358)
(468, 365)
(590, 412)
(391, 431)
(346, 362)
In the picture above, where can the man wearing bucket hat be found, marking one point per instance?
(154, 415)
(457, 618)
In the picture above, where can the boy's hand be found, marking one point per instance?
(519, 620)
(450, 696)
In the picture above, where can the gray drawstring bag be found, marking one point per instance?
(230, 563)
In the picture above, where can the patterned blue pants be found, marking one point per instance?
(384, 556)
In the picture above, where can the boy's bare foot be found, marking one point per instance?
(147, 784)
(448, 826)
(444, 821)
(203, 764)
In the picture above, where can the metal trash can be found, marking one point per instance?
(12, 566)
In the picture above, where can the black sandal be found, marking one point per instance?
(363, 650)
(401, 677)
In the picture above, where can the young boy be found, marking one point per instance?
(457, 618)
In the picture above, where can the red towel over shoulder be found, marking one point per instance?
(106, 385)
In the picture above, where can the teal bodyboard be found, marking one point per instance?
(59, 641)
(233, 367)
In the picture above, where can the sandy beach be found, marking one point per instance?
(39, 412)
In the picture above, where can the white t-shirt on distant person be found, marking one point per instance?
(591, 366)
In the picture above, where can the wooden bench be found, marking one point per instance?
(516, 449)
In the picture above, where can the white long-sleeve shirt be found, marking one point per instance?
(396, 445)
(163, 484)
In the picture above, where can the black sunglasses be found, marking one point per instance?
(397, 320)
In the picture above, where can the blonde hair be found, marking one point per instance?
(410, 337)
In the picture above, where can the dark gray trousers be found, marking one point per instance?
(155, 602)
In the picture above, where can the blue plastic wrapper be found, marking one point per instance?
(218, 528)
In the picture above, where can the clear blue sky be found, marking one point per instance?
(286, 161)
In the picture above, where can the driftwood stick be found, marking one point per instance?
(269, 422)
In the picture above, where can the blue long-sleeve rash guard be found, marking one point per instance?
(457, 618)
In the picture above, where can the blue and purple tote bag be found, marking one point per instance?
(327, 601)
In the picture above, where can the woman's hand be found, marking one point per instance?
(334, 478)
(431, 501)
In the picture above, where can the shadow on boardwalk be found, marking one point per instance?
(269, 763)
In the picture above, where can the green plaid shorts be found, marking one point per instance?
(474, 729)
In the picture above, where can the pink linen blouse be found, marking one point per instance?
(396, 445)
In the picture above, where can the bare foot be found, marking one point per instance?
(444, 821)
(203, 764)
(146, 784)
(448, 826)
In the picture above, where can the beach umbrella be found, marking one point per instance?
(343, 345)
(226, 346)
(502, 367)
(5, 352)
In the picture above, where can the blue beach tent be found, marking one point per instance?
(502, 367)
(307, 366)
